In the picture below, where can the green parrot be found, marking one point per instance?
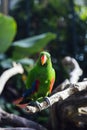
(40, 80)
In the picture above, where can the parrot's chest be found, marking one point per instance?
(43, 75)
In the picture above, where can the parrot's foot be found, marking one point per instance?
(47, 100)
(36, 103)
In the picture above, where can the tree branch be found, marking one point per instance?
(17, 121)
(73, 69)
(17, 128)
(17, 68)
(73, 88)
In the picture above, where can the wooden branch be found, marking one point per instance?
(64, 110)
(73, 88)
(73, 69)
(67, 109)
(4, 5)
(62, 86)
(82, 110)
(6, 75)
(80, 118)
(17, 121)
(17, 128)
(73, 103)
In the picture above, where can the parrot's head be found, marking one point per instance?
(45, 58)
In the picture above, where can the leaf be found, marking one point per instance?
(81, 2)
(55, 3)
(7, 32)
(82, 12)
(7, 63)
(31, 45)
(26, 61)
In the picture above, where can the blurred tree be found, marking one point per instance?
(4, 6)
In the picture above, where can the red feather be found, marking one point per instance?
(37, 83)
(51, 84)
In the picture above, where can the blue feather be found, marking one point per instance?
(29, 91)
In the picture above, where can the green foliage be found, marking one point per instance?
(22, 48)
(32, 45)
(81, 9)
(7, 32)
(7, 63)
(82, 12)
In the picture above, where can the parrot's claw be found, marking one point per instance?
(36, 103)
(47, 100)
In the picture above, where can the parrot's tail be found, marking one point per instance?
(18, 101)
(19, 104)
(22, 105)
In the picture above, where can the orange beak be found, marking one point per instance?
(43, 59)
